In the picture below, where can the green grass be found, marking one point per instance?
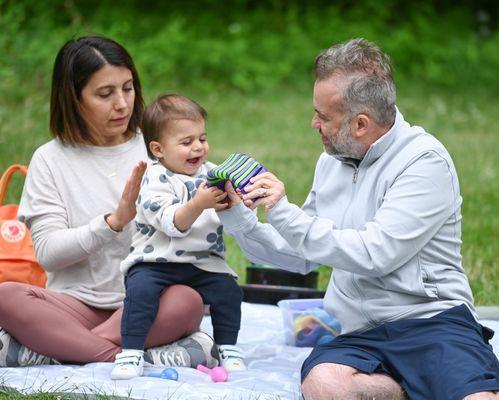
(14, 395)
(275, 129)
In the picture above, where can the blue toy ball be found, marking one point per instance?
(167, 373)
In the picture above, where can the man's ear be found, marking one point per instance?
(156, 149)
(362, 123)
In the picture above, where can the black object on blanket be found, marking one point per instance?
(268, 285)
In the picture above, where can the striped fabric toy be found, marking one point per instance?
(238, 168)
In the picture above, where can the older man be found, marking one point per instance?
(385, 211)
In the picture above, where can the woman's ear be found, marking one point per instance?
(156, 149)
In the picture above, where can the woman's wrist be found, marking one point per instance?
(113, 223)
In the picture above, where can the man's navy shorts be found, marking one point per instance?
(445, 357)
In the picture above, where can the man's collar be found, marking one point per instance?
(379, 147)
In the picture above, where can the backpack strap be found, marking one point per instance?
(5, 179)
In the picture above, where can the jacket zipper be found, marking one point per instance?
(355, 284)
(354, 180)
(365, 313)
(355, 174)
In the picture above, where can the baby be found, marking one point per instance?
(178, 238)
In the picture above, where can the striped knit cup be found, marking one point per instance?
(238, 168)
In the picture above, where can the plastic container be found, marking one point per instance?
(307, 323)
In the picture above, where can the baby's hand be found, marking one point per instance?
(210, 197)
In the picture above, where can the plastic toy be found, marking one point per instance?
(238, 168)
(218, 374)
(167, 373)
(317, 326)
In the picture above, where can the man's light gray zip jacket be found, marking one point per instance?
(389, 225)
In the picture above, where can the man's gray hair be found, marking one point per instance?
(370, 88)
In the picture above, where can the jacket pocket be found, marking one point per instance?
(412, 280)
(428, 286)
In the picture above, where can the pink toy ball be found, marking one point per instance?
(218, 374)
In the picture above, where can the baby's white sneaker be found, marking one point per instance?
(128, 364)
(231, 358)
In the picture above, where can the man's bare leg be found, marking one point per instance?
(335, 381)
(483, 396)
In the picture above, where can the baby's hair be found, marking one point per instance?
(166, 109)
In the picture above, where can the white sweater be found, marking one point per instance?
(157, 240)
(68, 191)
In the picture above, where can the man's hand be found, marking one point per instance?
(266, 189)
(126, 208)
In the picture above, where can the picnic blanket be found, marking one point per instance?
(273, 369)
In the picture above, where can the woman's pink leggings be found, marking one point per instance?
(64, 328)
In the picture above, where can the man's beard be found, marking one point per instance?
(343, 145)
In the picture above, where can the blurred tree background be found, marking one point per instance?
(249, 62)
(251, 45)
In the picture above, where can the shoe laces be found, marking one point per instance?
(29, 357)
(173, 357)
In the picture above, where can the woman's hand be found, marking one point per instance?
(126, 208)
(266, 189)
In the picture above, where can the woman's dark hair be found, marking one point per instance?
(74, 65)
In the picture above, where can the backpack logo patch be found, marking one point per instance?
(13, 231)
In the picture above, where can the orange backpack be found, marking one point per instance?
(17, 256)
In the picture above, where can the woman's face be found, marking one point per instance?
(107, 102)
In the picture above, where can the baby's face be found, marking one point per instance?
(184, 146)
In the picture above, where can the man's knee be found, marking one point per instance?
(483, 396)
(327, 381)
(337, 381)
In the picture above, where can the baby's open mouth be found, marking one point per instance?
(193, 160)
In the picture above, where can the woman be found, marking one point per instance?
(77, 203)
